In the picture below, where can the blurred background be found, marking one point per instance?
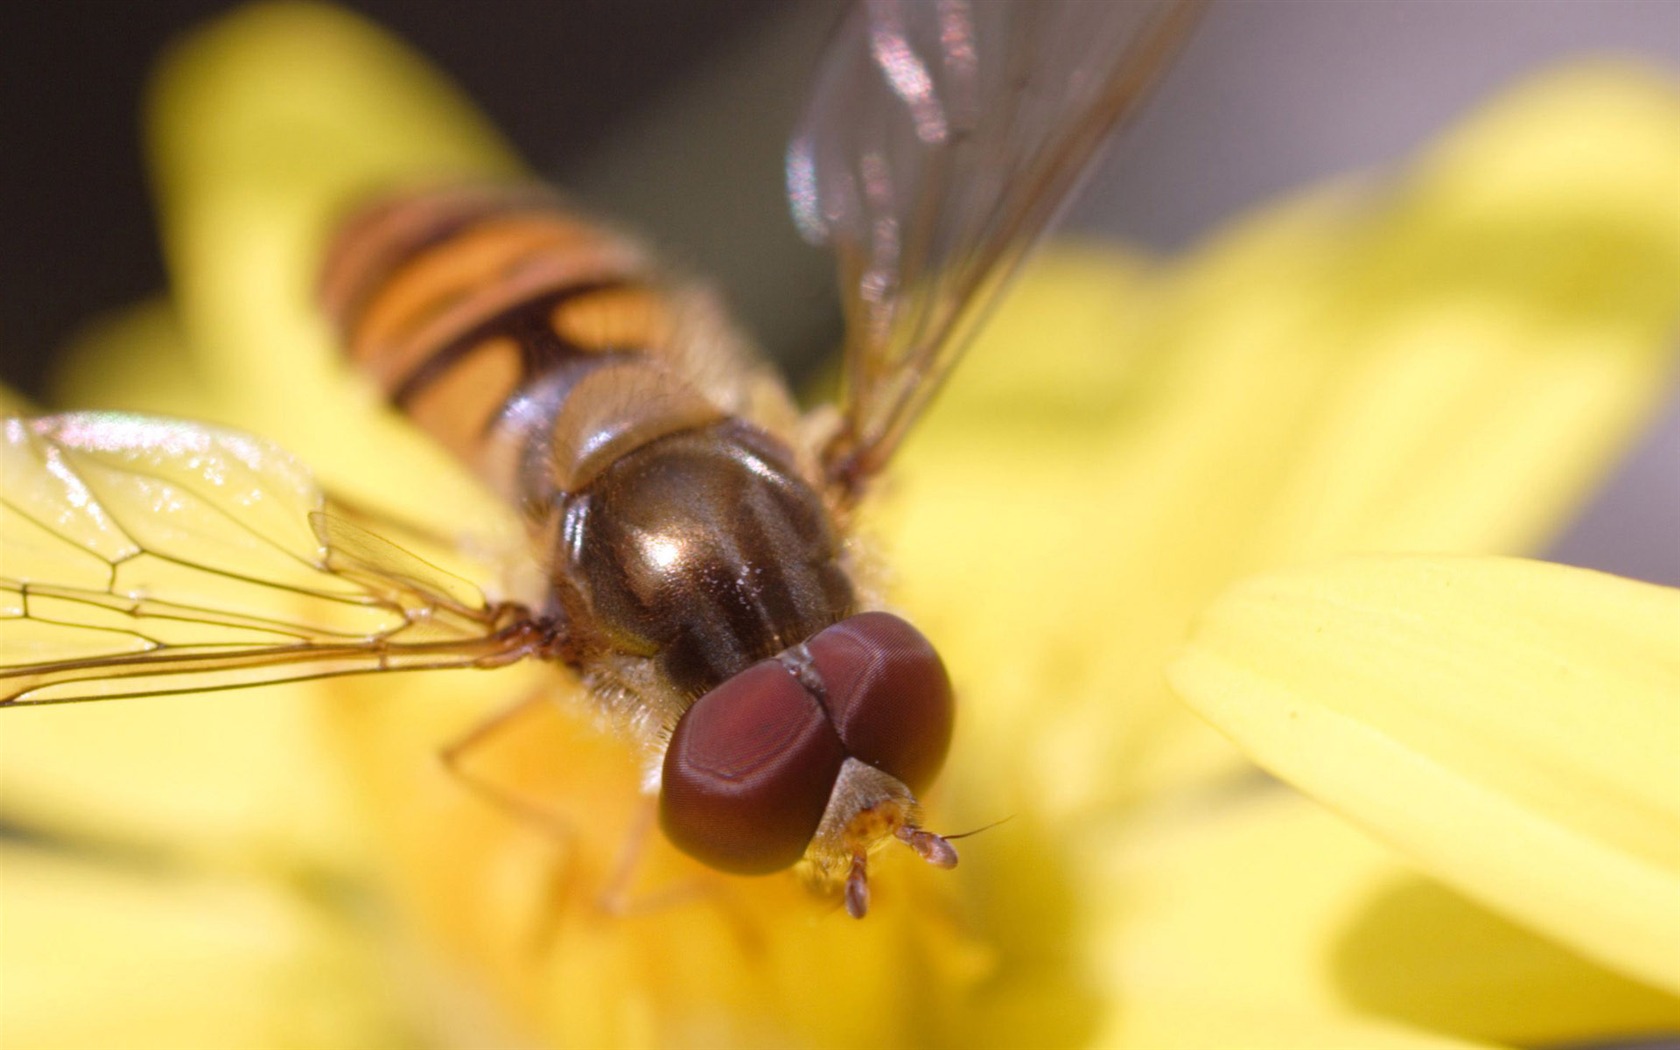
(671, 115)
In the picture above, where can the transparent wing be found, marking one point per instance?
(943, 137)
(141, 556)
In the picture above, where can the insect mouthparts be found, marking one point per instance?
(935, 849)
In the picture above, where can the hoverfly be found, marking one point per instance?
(692, 529)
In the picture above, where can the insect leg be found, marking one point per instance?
(521, 807)
(618, 897)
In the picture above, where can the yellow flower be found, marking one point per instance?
(1512, 725)
(1445, 367)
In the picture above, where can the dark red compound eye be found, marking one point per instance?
(749, 771)
(888, 694)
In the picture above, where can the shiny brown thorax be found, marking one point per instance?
(545, 352)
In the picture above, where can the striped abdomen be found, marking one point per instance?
(540, 350)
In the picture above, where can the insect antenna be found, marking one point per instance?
(978, 830)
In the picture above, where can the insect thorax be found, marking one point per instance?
(702, 551)
(547, 353)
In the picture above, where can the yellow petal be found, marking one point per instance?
(1612, 174)
(134, 360)
(1511, 725)
(1161, 1023)
(217, 775)
(1438, 366)
(265, 129)
(98, 954)
(1276, 905)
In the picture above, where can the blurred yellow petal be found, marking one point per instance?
(95, 952)
(134, 360)
(1512, 725)
(223, 775)
(1440, 366)
(1275, 905)
(1163, 1023)
(1612, 174)
(265, 129)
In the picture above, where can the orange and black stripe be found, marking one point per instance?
(467, 303)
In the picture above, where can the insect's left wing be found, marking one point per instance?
(942, 138)
(142, 556)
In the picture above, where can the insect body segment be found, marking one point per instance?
(525, 340)
(700, 572)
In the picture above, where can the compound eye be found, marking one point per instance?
(748, 773)
(888, 695)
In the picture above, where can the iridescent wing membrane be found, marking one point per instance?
(143, 556)
(942, 140)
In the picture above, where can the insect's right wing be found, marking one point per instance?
(142, 556)
(942, 139)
